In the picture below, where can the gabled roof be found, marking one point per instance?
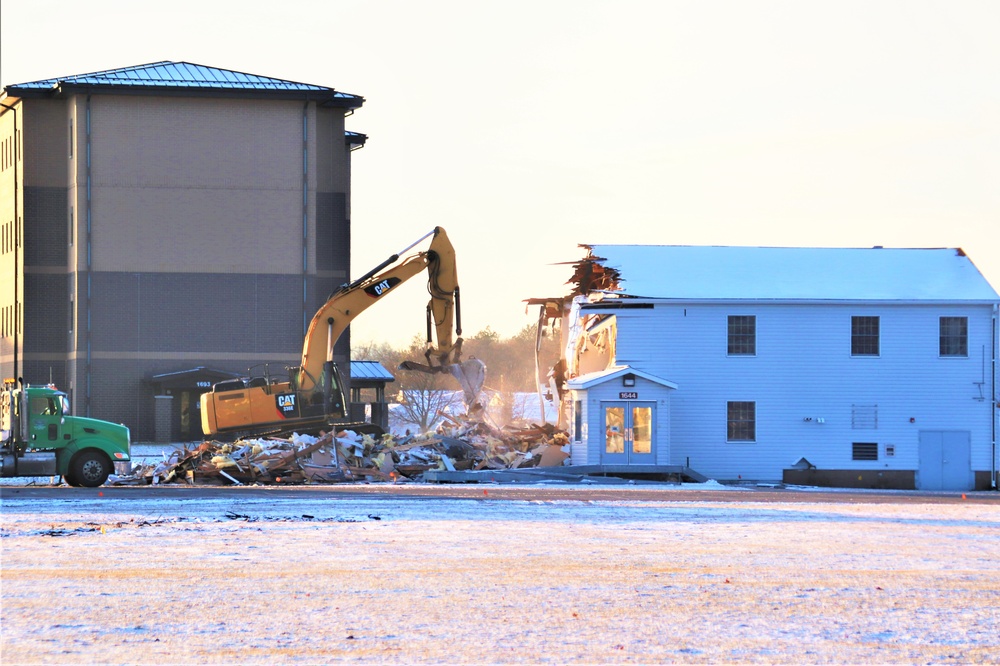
(166, 77)
(595, 378)
(791, 273)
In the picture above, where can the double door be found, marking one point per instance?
(629, 433)
(945, 460)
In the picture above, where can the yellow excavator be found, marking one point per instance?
(312, 398)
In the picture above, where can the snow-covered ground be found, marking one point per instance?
(277, 577)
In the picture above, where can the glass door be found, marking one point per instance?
(628, 433)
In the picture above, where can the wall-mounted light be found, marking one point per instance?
(628, 380)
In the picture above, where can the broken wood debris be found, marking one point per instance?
(347, 456)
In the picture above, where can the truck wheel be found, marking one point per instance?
(70, 479)
(90, 469)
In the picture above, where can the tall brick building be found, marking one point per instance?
(165, 226)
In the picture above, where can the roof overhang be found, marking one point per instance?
(592, 379)
(191, 378)
(615, 305)
(355, 140)
(60, 90)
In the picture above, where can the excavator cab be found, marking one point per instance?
(262, 404)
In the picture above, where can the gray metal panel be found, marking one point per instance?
(46, 226)
(333, 234)
(46, 326)
(185, 312)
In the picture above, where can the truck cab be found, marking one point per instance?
(40, 437)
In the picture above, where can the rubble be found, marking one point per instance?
(347, 456)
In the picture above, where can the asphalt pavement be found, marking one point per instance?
(639, 492)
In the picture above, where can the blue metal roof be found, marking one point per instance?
(370, 370)
(181, 76)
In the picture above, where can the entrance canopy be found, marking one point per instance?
(195, 378)
(624, 373)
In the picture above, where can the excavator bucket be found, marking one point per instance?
(471, 375)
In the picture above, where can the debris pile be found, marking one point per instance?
(348, 456)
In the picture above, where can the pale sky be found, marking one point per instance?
(527, 128)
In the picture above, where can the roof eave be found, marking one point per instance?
(326, 98)
(355, 140)
(614, 306)
(593, 379)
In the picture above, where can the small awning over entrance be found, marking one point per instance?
(176, 395)
(200, 377)
(593, 379)
(621, 418)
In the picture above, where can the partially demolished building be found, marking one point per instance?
(821, 366)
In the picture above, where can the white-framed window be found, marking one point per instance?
(864, 336)
(742, 335)
(741, 421)
(954, 336)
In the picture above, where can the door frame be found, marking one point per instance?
(938, 468)
(628, 456)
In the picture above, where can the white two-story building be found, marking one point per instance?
(821, 366)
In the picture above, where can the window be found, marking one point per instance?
(864, 451)
(864, 336)
(954, 339)
(742, 335)
(578, 421)
(741, 421)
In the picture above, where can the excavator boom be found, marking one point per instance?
(313, 397)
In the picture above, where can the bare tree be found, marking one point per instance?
(423, 409)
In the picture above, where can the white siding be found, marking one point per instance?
(803, 368)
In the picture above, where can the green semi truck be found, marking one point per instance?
(39, 437)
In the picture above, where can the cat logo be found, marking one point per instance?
(380, 288)
(286, 403)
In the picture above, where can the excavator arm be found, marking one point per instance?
(444, 310)
(313, 396)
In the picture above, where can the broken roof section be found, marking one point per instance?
(781, 273)
(182, 77)
(592, 274)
